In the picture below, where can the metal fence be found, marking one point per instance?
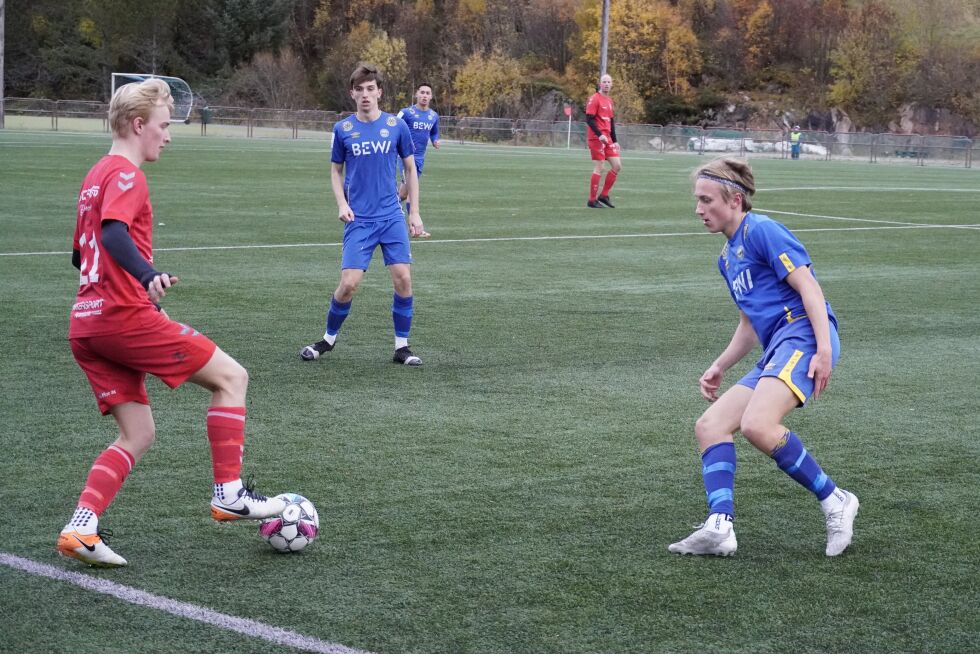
(241, 122)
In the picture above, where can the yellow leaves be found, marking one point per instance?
(486, 84)
(89, 32)
(476, 7)
(389, 55)
(40, 25)
(652, 41)
(759, 35)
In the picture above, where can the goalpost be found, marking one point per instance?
(179, 89)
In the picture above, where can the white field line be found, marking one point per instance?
(847, 218)
(502, 239)
(249, 628)
(861, 220)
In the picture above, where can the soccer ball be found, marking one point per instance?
(295, 528)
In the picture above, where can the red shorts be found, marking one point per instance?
(117, 364)
(602, 151)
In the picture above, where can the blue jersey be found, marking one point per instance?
(370, 153)
(424, 125)
(755, 263)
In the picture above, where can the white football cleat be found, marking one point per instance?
(716, 537)
(248, 505)
(89, 548)
(840, 524)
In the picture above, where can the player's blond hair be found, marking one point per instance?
(134, 100)
(734, 175)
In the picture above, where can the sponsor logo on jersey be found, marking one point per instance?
(106, 394)
(740, 252)
(347, 126)
(355, 135)
(87, 304)
(419, 125)
(384, 133)
(742, 284)
(392, 121)
(370, 147)
(787, 262)
(89, 193)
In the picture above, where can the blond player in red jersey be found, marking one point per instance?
(118, 333)
(601, 138)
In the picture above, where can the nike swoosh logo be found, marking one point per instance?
(241, 511)
(90, 548)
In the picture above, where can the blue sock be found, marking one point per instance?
(718, 472)
(336, 315)
(401, 314)
(793, 459)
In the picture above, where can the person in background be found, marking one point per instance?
(601, 139)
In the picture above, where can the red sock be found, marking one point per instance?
(105, 478)
(594, 187)
(226, 433)
(610, 180)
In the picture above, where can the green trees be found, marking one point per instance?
(873, 66)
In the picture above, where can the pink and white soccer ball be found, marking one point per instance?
(295, 528)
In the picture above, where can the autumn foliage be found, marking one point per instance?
(671, 59)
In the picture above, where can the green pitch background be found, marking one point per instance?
(516, 493)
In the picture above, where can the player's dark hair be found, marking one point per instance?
(421, 84)
(366, 73)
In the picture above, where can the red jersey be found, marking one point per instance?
(109, 297)
(600, 106)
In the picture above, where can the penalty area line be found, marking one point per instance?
(243, 626)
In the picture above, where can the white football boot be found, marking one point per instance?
(840, 522)
(716, 537)
(247, 505)
(89, 548)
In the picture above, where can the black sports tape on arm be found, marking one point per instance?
(76, 259)
(119, 244)
(612, 129)
(593, 124)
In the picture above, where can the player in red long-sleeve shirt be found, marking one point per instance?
(601, 138)
(119, 333)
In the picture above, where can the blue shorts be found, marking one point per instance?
(788, 358)
(361, 237)
(419, 165)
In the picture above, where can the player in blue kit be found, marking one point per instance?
(781, 306)
(366, 149)
(423, 123)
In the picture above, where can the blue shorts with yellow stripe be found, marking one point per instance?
(788, 358)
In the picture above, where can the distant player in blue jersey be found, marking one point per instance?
(423, 122)
(782, 307)
(366, 149)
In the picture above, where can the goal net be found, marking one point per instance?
(179, 89)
